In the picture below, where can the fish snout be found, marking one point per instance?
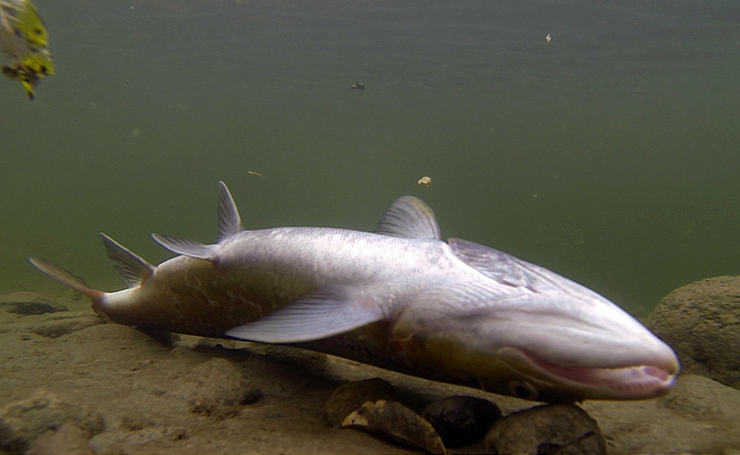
(580, 362)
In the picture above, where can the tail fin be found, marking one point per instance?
(66, 278)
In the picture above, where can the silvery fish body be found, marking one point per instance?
(399, 298)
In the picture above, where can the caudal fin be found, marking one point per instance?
(66, 278)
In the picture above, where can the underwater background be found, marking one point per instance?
(610, 154)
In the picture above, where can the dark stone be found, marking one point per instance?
(29, 303)
(461, 420)
(31, 308)
(398, 423)
(546, 430)
(251, 396)
(65, 324)
(701, 322)
(348, 397)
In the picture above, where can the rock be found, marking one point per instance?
(699, 415)
(27, 303)
(548, 429)
(461, 420)
(701, 322)
(395, 421)
(69, 439)
(217, 388)
(22, 421)
(348, 397)
(700, 397)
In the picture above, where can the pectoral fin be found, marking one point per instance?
(334, 310)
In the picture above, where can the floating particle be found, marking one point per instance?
(255, 173)
(426, 181)
(548, 37)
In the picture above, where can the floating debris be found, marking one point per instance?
(255, 173)
(426, 181)
(357, 85)
(25, 42)
(396, 422)
(548, 37)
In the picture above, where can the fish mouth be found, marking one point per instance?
(619, 382)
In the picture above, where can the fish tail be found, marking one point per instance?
(67, 279)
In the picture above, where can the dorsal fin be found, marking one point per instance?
(409, 217)
(185, 247)
(229, 222)
(132, 268)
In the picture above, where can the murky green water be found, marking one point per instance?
(610, 155)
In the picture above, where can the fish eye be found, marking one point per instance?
(523, 389)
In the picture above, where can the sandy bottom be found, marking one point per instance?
(212, 396)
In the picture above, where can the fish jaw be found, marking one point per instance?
(550, 346)
(554, 383)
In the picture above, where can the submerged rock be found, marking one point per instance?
(27, 303)
(698, 416)
(461, 420)
(349, 397)
(395, 421)
(546, 430)
(701, 322)
(25, 420)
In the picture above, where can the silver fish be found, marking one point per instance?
(399, 298)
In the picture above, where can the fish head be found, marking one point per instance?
(560, 344)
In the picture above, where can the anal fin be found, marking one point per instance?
(329, 312)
